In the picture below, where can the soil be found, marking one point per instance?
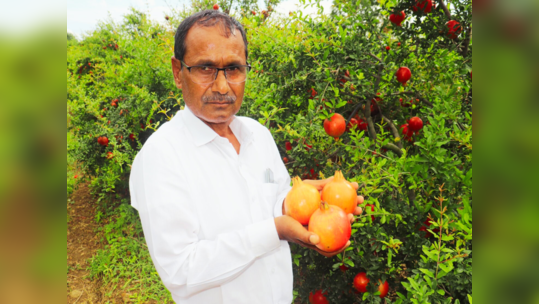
(83, 241)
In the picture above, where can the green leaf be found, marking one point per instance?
(441, 292)
(427, 272)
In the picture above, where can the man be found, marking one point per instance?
(211, 213)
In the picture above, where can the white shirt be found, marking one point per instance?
(208, 215)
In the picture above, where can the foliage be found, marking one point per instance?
(125, 262)
(411, 182)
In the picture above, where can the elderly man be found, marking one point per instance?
(210, 186)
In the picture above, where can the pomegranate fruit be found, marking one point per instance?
(339, 192)
(335, 126)
(403, 75)
(215, 6)
(398, 18)
(361, 281)
(318, 297)
(425, 6)
(454, 29)
(302, 201)
(288, 146)
(415, 124)
(388, 48)
(383, 289)
(332, 225)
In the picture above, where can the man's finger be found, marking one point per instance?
(358, 211)
(351, 218)
(314, 239)
(355, 185)
(360, 200)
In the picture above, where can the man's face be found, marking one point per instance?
(207, 46)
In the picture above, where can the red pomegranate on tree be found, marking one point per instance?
(403, 75)
(398, 18)
(454, 29)
(415, 124)
(383, 289)
(335, 126)
(215, 6)
(361, 281)
(407, 133)
(103, 140)
(424, 5)
(288, 146)
(318, 297)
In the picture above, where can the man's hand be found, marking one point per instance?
(291, 230)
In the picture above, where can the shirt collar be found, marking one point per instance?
(203, 134)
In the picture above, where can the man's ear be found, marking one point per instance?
(176, 70)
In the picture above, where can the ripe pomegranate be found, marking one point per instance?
(388, 48)
(215, 6)
(288, 146)
(415, 124)
(403, 75)
(372, 209)
(110, 155)
(425, 6)
(253, 12)
(332, 225)
(339, 192)
(132, 136)
(103, 140)
(407, 133)
(383, 289)
(318, 297)
(361, 281)
(399, 44)
(454, 29)
(335, 126)
(302, 201)
(363, 125)
(398, 18)
(285, 160)
(352, 124)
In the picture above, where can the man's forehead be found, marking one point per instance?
(202, 41)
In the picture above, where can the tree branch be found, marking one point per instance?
(394, 130)
(467, 42)
(375, 57)
(393, 148)
(446, 11)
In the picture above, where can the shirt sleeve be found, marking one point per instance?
(186, 264)
(281, 176)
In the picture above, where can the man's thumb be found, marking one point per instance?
(314, 239)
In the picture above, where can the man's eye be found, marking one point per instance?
(232, 68)
(206, 69)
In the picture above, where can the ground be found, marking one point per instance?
(83, 241)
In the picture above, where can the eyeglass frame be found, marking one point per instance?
(218, 70)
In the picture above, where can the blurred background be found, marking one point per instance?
(32, 150)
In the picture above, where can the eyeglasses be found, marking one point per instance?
(206, 75)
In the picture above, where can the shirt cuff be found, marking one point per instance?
(263, 237)
(278, 210)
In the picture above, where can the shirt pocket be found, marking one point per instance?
(268, 196)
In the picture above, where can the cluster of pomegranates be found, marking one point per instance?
(426, 6)
(326, 213)
(360, 284)
(412, 127)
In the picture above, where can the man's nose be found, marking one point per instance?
(221, 84)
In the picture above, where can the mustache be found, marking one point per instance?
(219, 98)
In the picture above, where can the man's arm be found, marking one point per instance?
(186, 264)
